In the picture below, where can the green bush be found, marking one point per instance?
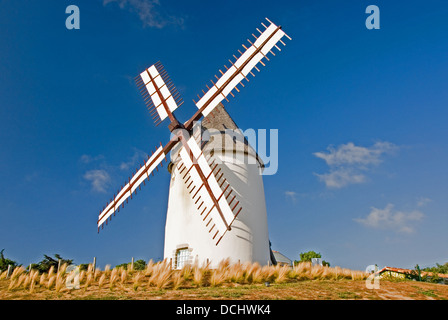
(83, 266)
(307, 256)
(438, 268)
(138, 265)
(48, 262)
(4, 262)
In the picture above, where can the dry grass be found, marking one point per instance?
(102, 280)
(198, 276)
(218, 277)
(60, 283)
(163, 279)
(161, 276)
(123, 276)
(137, 280)
(114, 276)
(282, 274)
(226, 281)
(89, 280)
(236, 273)
(149, 268)
(177, 280)
(3, 275)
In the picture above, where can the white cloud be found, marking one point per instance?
(133, 160)
(99, 179)
(349, 162)
(341, 177)
(85, 158)
(291, 195)
(389, 218)
(422, 201)
(349, 154)
(149, 12)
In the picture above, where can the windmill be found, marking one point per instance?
(205, 197)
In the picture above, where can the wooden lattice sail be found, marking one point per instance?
(207, 185)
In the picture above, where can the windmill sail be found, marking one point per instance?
(240, 69)
(160, 95)
(205, 182)
(208, 192)
(130, 187)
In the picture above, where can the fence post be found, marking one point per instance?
(94, 263)
(132, 264)
(8, 274)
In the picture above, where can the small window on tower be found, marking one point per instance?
(182, 257)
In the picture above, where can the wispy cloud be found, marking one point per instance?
(99, 179)
(85, 158)
(389, 218)
(348, 162)
(133, 160)
(341, 177)
(292, 195)
(423, 201)
(149, 11)
(355, 155)
(102, 177)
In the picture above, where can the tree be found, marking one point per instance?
(48, 262)
(83, 266)
(416, 274)
(138, 265)
(307, 256)
(4, 262)
(438, 269)
(124, 265)
(435, 278)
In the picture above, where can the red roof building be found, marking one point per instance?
(402, 273)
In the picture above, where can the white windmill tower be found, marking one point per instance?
(216, 187)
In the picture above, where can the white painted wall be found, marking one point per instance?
(247, 240)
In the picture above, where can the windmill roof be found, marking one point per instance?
(221, 134)
(231, 137)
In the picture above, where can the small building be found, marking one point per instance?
(395, 272)
(281, 259)
(407, 273)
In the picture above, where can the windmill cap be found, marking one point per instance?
(222, 135)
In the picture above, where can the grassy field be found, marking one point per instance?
(238, 281)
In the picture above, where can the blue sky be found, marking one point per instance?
(361, 117)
